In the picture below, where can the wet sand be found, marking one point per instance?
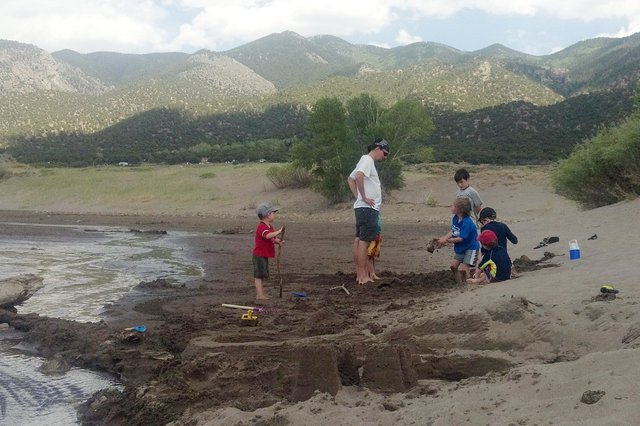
(185, 324)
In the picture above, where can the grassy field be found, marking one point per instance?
(235, 190)
(143, 189)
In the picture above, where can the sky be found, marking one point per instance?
(537, 27)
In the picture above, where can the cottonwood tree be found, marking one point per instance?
(340, 135)
(330, 152)
(405, 125)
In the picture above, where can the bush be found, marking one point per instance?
(331, 179)
(289, 176)
(603, 170)
(390, 172)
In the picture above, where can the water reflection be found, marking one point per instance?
(28, 397)
(82, 270)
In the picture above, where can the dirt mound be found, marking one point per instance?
(325, 321)
(204, 358)
(525, 264)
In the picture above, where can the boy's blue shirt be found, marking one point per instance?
(467, 230)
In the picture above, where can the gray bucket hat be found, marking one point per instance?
(264, 209)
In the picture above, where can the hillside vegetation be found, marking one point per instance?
(104, 106)
(119, 69)
(522, 133)
(172, 135)
(604, 169)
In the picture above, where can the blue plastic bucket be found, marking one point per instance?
(574, 250)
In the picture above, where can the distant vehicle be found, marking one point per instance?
(262, 160)
(123, 163)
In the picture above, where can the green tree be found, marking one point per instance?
(202, 149)
(331, 152)
(363, 115)
(340, 135)
(405, 125)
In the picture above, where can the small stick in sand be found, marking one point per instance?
(342, 287)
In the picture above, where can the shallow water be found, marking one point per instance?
(82, 269)
(28, 397)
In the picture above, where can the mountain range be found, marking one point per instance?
(69, 93)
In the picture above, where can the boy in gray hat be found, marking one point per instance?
(265, 240)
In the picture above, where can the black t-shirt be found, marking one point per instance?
(502, 231)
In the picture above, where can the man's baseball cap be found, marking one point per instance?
(487, 213)
(382, 144)
(264, 209)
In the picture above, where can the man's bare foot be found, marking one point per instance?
(367, 281)
(375, 277)
(263, 297)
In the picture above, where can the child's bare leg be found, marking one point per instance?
(260, 294)
(479, 277)
(362, 276)
(464, 268)
(372, 269)
(454, 269)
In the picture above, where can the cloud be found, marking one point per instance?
(582, 10)
(84, 25)
(632, 28)
(232, 22)
(223, 24)
(187, 25)
(404, 37)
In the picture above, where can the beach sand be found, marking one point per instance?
(415, 348)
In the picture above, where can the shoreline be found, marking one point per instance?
(163, 308)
